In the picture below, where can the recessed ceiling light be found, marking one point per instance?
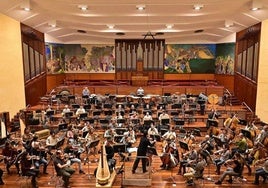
(169, 26)
(159, 33)
(199, 31)
(83, 7)
(256, 5)
(140, 7)
(25, 5)
(52, 23)
(81, 31)
(229, 23)
(198, 6)
(120, 33)
(110, 26)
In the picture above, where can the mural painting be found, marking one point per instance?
(224, 62)
(79, 58)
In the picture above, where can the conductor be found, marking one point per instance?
(141, 153)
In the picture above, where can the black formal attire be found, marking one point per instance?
(141, 153)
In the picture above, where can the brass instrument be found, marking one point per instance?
(103, 173)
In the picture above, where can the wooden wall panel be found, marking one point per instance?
(35, 89)
(180, 90)
(152, 90)
(189, 76)
(246, 91)
(54, 80)
(226, 80)
(106, 89)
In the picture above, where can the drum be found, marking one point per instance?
(135, 99)
(120, 98)
(146, 99)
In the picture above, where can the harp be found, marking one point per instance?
(103, 173)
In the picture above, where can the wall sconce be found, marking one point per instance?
(52, 23)
(25, 5)
(198, 7)
(229, 23)
(256, 5)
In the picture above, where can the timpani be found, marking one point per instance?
(120, 98)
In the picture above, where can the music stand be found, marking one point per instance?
(50, 112)
(82, 115)
(246, 133)
(91, 121)
(184, 145)
(107, 105)
(120, 131)
(96, 113)
(119, 148)
(242, 122)
(104, 123)
(108, 112)
(87, 107)
(75, 106)
(174, 113)
(93, 144)
(68, 114)
(62, 127)
(196, 132)
(135, 121)
(122, 121)
(152, 151)
(117, 138)
(176, 105)
(156, 137)
(212, 123)
(164, 121)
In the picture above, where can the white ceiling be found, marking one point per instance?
(134, 23)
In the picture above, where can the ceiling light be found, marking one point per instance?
(110, 26)
(52, 23)
(25, 5)
(140, 7)
(169, 26)
(229, 23)
(256, 5)
(83, 7)
(198, 6)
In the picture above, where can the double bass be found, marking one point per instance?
(170, 157)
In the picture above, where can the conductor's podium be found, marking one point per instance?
(138, 178)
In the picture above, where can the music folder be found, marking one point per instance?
(184, 145)
(246, 133)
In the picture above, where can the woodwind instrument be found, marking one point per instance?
(103, 173)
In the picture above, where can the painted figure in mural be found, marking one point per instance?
(183, 66)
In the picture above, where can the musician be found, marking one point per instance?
(39, 152)
(207, 147)
(252, 128)
(263, 171)
(63, 168)
(140, 92)
(213, 116)
(27, 138)
(80, 110)
(241, 144)
(10, 155)
(187, 158)
(70, 134)
(231, 122)
(110, 132)
(223, 136)
(147, 117)
(235, 170)
(27, 168)
(152, 131)
(164, 115)
(262, 135)
(225, 154)
(85, 91)
(51, 142)
(142, 151)
(65, 110)
(170, 134)
(71, 153)
(170, 150)
(195, 170)
(76, 144)
(110, 153)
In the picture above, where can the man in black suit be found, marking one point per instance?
(142, 151)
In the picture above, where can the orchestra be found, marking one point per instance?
(218, 147)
